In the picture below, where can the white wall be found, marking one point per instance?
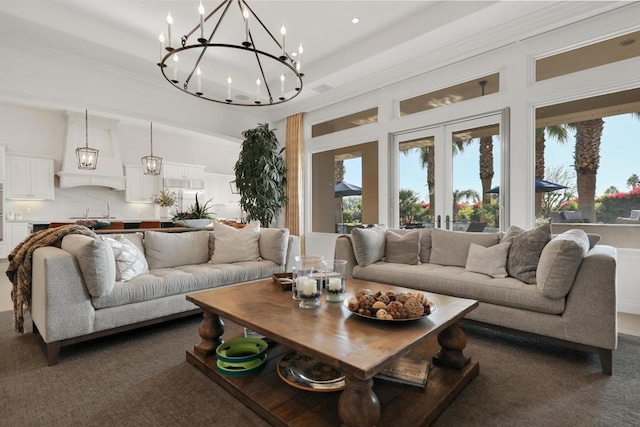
(518, 92)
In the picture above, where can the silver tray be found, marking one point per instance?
(309, 374)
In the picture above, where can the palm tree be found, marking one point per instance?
(586, 162)
(611, 190)
(459, 195)
(633, 181)
(560, 134)
(486, 167)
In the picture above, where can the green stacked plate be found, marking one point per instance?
(241, 356)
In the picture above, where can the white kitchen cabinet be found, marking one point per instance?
(29, 178)
(16, 233)
(182, 171)
(140, 188)
(216, 187)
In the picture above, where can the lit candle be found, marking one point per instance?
(169, 22)
(309, 287)
(258, 84)
(299, 63)
(335, 284)
(282, 84)
(201, 10)
(245, 14)
(229, 81)
(161, 38)
(199, 74)
(175, 67)
(283, 31)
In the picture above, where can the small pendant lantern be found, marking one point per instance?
(87, 157)
(151, 164)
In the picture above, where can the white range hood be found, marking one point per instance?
(103, 135)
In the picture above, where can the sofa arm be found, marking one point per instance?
(344, 250)
(60, 304)
(591, 303)
(293, 250)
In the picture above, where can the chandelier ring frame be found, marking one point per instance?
(204, 46)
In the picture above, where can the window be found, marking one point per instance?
(345, 188)
(458, 93)
(346, 122)
(593, 55)
(587, 155)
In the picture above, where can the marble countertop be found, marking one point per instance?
(49, 221)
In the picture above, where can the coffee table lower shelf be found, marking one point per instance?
(282, 405)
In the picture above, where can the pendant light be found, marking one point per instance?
(87, 157)
(151, 164)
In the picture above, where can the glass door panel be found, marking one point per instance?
(475, 151)
(415, 184)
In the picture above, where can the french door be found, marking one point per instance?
(450, 176)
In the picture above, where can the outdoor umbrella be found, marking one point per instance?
(343, 189)
(542, 186)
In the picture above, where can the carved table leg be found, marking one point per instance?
(452, 341)
(211, 330)
(358, 405)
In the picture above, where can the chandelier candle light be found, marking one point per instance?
(262, 53)
(87, 157)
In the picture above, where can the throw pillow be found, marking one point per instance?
(402, 248)
(130, 261)
(526, 248)
(452, 247)
(491, 261)
(235, 245)
(96, 261)
(166, 249)
(425, 245)
(273, 244)
(559, 263)
(368, 244)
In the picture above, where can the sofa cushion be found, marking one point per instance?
(130, 260)
(165, 282)
(368, 244)
(525, 250)
(425, 240)
(273, 244)
(236, 245)
(452, 247)
(457, 282)
(166, 250)
(593, 239)
(402, 248)
(135, 238)
(560, 261)
(96, 261)
(491, 261)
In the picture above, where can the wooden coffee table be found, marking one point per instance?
(357, 346)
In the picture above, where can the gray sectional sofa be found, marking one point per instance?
(90, 287)
(564, 290)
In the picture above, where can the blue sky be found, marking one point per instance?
(619, 159)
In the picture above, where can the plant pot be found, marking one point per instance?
(192, 223)
(165, 212)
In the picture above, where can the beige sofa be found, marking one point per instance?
(570, 297)
(91, 287)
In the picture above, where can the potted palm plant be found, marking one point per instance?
(197, 215)
(261, 175)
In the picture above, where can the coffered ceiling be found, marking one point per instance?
(393, 40)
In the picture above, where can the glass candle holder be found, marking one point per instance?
(335, 283)
(305, 266)
(309, 291)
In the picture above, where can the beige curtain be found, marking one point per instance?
(294, 149)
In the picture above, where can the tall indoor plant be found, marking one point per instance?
(261, 175)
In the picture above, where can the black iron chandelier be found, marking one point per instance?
(266, 57)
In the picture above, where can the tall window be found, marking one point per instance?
(345, 188)
(587, 167)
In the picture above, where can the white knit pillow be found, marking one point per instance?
(130, 261)
(235, 245)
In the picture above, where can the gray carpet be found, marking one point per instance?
(141, 378)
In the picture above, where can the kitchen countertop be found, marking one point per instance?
(49, 221)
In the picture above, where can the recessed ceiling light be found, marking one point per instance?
(627, 42)
(355, 20)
